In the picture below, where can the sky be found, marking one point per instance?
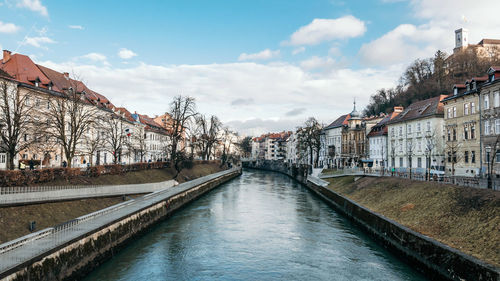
(260, 66)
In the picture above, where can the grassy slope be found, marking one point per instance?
(467, 219)
(15, 220)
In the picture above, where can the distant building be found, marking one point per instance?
(353, 140)
(377, 140)
(333, 141)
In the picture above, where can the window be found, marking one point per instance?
(496, 99)
(27, 101)
(454, 134)
(473, 131)
(419, 145)
(409, 129)
(466, 132)
(454, 111)
(487, 127)
(419, 162)
(449, 135)
(400, 131)
(449, 157)
(497, 156)
(486, 101)
(418, 127)
(400, 146)
(428, 126)
(473, 156)
(400, 161)
(466, 157)
(3, 159)
(466, 109)
(497, 126)
(25, 137)
(472, 108)
(449, 112)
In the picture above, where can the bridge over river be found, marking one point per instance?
(260, 226)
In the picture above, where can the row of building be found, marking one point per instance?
(143, 138)
(457, 135)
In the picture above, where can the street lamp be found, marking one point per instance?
(488, 153)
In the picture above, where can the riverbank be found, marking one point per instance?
(71, 250)
(466, 219)
(15, 220)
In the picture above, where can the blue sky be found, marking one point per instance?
(259, 65)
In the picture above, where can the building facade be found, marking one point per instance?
(415, 137)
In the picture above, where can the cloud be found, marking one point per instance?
(274, 89)
(408, 42)
(298, 50)
(95, 57)
(76, 27)
(126, 54)
(242, 101)
(295, 111)
(316, 62)
(34, 5)
(38, 41)
(263, 55)
(322, 30)
(8, 27)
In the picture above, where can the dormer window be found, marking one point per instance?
(474, 85)
(37, 84)
(455, 91)
(492, 77)
(468, 87)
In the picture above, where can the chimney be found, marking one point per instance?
(66, 75)
(398, 109)
(6, 56)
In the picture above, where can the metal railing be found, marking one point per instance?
(24, 248)
(17, 195)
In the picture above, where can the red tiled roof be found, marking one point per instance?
(480, 79)
(342, 120)
(489, 41)
(64, 83)
(24, 70)
(126, 113)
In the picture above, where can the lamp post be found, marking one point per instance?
(488, 155)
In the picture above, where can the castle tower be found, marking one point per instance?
(461, 38)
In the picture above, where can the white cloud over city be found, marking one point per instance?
(34, 5)
(323, 30)
(8, 27)
(126, 54)
(263, 55)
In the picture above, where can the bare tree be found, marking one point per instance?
(20, 123)
(228, 138)
(209, 134)
(430, 146)
(93, 141)
(182, 109)
(453, 148)
(309, 139)
(114, 136)
(69, 117)
(410, 151)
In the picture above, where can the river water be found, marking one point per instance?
(260, 226)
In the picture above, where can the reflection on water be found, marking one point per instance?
(260, 226)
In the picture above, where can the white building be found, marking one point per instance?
(415, 137)
(333, 139)
(377, 141)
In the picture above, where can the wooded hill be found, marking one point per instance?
(430, 77)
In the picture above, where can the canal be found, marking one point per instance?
(260, 226)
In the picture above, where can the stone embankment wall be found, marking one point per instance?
(78, 257)
(433, 258)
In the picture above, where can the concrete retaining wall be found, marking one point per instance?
(433, 258)
(76, 258)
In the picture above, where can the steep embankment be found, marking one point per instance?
(15, 220)
(467, 219)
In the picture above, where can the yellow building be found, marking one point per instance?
(461, 129)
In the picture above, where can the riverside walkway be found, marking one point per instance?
(36, 194)
(26, 248)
